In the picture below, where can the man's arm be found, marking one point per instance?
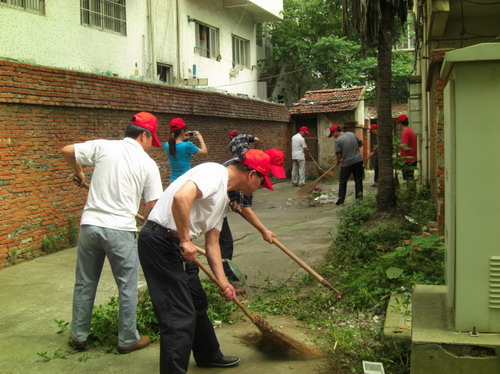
(148, 206)
(256, 142)
(214, 258)
(339, 158)
(251, 217)
(181, 208)
(69, 155)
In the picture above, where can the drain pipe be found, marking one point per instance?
(177, 10)
(151, 69)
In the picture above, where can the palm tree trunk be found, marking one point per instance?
(386, 197)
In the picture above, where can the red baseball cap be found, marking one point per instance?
(373, 126)
(402, 118)
(305, 129)
(259, 161)
(277, 161)
(149, 122)
(177, 124)
(334, 128)
(233, 133)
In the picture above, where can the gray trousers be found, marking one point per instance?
(94, 245)
(299, 172)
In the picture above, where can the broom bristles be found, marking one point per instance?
(309, 187)
(272, 340)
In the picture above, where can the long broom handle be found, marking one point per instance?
(216, 281)
(310, 270)
(86, 185)
(312, 158)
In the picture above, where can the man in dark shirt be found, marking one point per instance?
(240, 143)
(349, 157)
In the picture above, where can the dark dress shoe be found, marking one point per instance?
(224, 361)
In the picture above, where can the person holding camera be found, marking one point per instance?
(179, 149)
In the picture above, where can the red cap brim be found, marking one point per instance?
(331, 134)
(267, 183)
(278, 171)
(156, 141)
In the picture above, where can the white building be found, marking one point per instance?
(213, 43)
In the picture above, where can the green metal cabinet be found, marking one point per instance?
(472, 180)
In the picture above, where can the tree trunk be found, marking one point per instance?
(386, 197)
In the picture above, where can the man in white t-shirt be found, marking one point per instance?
(195, 204)
(298, 157)
(123, 173)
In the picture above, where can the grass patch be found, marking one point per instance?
(372, 256)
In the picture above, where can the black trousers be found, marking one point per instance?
(226, 249)
(409, 171)
(345, 172)
(375, 169)
(179, 302)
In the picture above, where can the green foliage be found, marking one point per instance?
(370, 256)
(61, 238)
(218, 308)
(55, 241)
(58, 353)
(62, 325)
(104, 324)
(312, 51)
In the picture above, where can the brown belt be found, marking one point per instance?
(162, 230)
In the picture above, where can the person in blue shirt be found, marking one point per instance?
(179, 149)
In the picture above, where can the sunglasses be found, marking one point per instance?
(262, 180)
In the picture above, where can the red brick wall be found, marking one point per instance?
(436, 126)
(44, 109)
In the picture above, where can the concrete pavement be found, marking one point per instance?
(35, 293)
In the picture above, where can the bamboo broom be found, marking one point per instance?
(309, 187)
(320, 170)
(271, 338)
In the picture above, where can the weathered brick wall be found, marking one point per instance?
(436, 125)
(44, 109)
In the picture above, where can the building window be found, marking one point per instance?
(407, 39)
(164, 72)
(32, 6)
(207, 41)
(105, 15)
(259, 34)
(241, 51)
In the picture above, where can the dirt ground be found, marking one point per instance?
(35, 293)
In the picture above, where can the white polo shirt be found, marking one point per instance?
(298, 145)
(207, 212)
(123, 172)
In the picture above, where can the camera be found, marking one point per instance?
(190, 133)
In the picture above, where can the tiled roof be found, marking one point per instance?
(327, 101)
(397, 110)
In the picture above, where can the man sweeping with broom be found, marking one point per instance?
(193, 205)
(349, 157)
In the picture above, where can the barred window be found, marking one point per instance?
(105, 15)
(32, 6)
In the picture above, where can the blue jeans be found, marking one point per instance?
(94, 245)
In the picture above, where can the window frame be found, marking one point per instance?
(104, 15)
(168, 76)
(31, 6)
(241, 51)
(207, 42)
